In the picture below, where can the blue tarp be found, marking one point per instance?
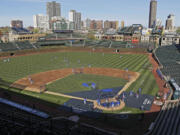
(85, 85)
(106, 90)
(159, 73)
(93, 85)
(24, 108)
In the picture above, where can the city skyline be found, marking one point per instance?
(122, 10)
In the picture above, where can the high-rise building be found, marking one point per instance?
(170, 22)
(17, 23)
(75, 18)
(78, 21)
(96, 24)
(87, 23)
(72, 15)
(111, 24)
(122, 24)
(41, 22)
(152, 13)
(53, 9)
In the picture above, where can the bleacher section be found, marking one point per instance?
(119, 44)
(15, 46)
(20, 30)
(50, 42)
(168, 120)
(56, 39)
(116, 44)
(63, 35)
(17, 122)
(169, 57)
(135, 28)
(10, 113)
(5, 47)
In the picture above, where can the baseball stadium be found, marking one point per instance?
(68, 84)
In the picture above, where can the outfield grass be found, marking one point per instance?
(20, 67)
(73, 83)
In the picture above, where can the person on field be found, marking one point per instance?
(30, 80)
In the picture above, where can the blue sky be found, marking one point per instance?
(131, 11)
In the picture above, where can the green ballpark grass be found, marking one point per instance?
(23, 66)
(73, 83)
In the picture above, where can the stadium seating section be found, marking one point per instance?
(20, 30)
(17, 122)
(131, 29)
(15, 46)
(63, 35)
(116, 44)
(169, 57)
(50, 42)
(168, 120)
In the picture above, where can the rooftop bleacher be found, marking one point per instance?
(20, 30)
(131, 29)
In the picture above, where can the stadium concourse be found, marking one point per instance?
(141, 97)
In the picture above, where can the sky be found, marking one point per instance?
(131, 11)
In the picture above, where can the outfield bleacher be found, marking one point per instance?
(5, 47)
(15, 46)
(168, 120)
(98, 43)
(116, 44)
(63, 35)
(51, 42)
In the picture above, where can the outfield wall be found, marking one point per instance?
(64, 48)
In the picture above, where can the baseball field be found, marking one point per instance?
(55, 71)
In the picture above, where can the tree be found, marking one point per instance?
(1, 33)
(36, 30)
(178, 30)
(91, 36)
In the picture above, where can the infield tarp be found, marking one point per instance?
(132, 101)
(95, 94)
